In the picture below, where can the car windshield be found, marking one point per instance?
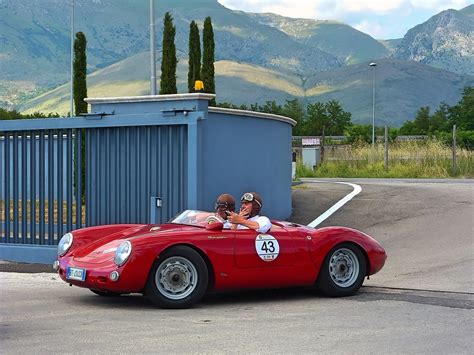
(192, 218)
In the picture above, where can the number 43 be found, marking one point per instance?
(268, 247)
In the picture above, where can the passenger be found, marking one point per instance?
(248, 217)
(225, 204)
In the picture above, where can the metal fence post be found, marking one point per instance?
(386, 149)
(454, 150)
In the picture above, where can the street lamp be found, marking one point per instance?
(152, 49)
(373, 65)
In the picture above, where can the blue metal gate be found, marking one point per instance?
(37, 201)
(132, 161)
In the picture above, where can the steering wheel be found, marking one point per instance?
(214, 219)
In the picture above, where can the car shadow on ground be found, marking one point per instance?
(210, 300)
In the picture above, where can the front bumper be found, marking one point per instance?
(101, 276)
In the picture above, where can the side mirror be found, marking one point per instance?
(215, 226)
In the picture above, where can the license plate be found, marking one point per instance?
(74, 273)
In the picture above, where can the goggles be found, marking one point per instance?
(249, 197)
(221, 205)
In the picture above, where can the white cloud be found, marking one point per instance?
(439, 5)
(379, 18)
(375, 29)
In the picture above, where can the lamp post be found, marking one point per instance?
(152, 49)
(373, 65)
(72, 60)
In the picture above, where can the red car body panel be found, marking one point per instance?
(231, 254)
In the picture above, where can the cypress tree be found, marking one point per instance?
(194, 72)
(79, 73)
(207, 71)
(168, 60)
(79, 83)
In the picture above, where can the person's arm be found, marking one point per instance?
(241, 218)
(264, 224)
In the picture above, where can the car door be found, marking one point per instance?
(263, 250)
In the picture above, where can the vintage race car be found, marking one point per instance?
(174, 264)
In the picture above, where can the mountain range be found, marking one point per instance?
(259, 57)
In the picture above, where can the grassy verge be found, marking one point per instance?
(429, 159)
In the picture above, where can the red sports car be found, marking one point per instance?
(174, 264)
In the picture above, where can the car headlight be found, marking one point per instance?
(122, 253)
(65, 243)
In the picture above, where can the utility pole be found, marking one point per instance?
(373, 65)
(71, 113)
(152, 49)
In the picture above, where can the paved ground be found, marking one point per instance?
(421, 302)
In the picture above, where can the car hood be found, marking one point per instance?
(103, 249)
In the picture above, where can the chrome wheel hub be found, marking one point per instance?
(176, 278)
(344, 267)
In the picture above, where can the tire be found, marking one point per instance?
(178, 278)
(105, 293)
(343, 271)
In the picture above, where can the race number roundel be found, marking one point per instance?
(267, 247)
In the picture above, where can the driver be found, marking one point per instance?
(248, 217)
(224, 206)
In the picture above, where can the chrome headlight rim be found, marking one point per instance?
(65, 243)
(123, 253)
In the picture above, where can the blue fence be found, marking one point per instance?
(37, 201)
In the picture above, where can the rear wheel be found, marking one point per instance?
(343, 271)
(178, 279)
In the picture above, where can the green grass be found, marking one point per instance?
(406, 160)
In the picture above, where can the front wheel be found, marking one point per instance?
(178, 279)
(343, 271)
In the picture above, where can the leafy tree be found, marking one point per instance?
(316, 119)
(268, 107)
(462, 115)
(422, 120)
(327, 119)
(408, 128)
(79, 74)
(168, 61)
(232, 106)
(359, 133)
(207, 70)
(15, 115)
(439, 120)
(194, 71)
(295, 110)
(338, 119)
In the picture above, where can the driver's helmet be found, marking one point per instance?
(224, 202)
(256, 200)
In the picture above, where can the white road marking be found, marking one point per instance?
(338, 205)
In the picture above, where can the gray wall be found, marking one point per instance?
(243, 153)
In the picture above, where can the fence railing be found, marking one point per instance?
(38, 201)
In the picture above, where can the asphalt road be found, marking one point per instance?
(421, 302)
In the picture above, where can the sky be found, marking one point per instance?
(382, 19)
